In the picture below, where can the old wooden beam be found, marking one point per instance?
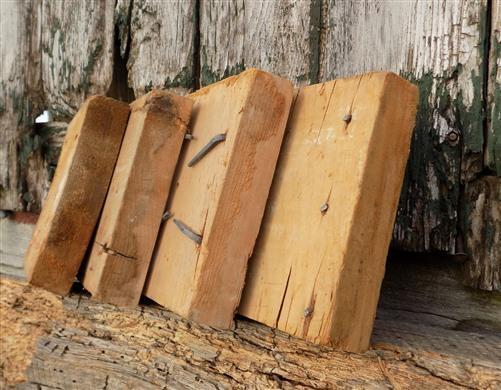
(218, 199)
(77, 193)
(132, 213)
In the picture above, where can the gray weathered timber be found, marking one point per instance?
(77, 52)
(493, 150)
(277, 36)
(162, 45)
(20, 99)
(438, 45)
(430, 332)
(483, 232)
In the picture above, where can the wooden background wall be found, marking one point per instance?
(54, 53)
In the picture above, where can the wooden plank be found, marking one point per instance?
(320, 257)
(493, 150)
(132, 213)
(439, 46)
(77, 53)
(16, 230)
(483, 233)
(221, 198)
(77, 193)
(281, 37)
(20, 97)
(162, 45)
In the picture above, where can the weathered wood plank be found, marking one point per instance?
(77, 52)
(483, 232)
(430, 333)
(277, 36)
(132, 213)
(77, 194)
(320, 257)
(438, 45)
(493, 150)
(20, 97)
(221, 198)
(162, 45)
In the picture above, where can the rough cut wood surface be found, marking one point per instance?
(319, 260)
(430, 333)
(132, 213)
(77, 194)
(221, 198)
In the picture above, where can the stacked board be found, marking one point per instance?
(77, 193)
(319, 262)
(217, 202)
(132, 214)
(192, 183)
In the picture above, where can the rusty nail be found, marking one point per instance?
(207, 148)
(188, 232)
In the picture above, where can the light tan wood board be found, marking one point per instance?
(132, 213)
(221, 198)
(77, 193)
(320, 256)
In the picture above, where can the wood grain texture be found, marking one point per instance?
(20, 97)
(316, 272)
(430, 333)
(77, 194)
(162, 45)
(276, 36)
(132, 213)
(493, 150)
(438, 45)
(483, 233)
(77, 52)
(221, 198)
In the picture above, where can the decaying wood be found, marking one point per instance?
(493, 150)
(133, 209)
(20, 99)
(437, 44)
(198, 269)
(162, 45)
(77, 194)
(430, 333)
(277, 36)
(319, 260)
(483, 233)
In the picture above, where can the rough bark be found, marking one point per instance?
(429, 333)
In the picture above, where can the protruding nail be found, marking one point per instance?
(207, 148)
(188, 232)
(347, 118)
(324, 208)
(166, 216)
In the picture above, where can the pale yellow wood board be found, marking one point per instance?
(76, 195)
(132, 213)
(221, 198)
(317, 274)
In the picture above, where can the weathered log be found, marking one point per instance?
(430, 333)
